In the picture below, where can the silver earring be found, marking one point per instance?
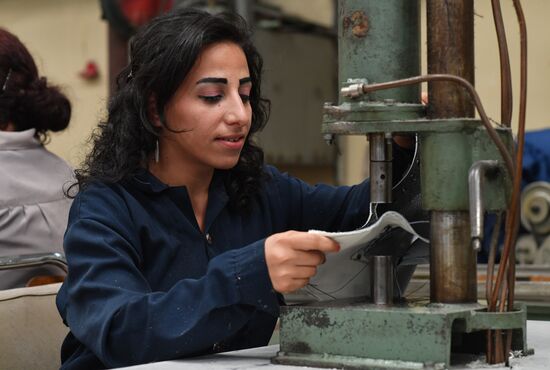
(6, 80)
(157, 153)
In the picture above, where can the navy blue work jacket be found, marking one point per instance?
(145, 284)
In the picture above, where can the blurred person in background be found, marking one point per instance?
(33, 208)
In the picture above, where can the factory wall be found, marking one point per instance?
(63, 35)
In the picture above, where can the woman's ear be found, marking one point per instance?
(153, 113)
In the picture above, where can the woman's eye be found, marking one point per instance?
(210, 98)
(245, 98)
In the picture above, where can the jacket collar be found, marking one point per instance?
(18, 140)
(148, 182)
(217, 194)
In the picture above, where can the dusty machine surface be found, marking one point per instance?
(465, 170)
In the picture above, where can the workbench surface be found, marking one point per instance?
(538, 338)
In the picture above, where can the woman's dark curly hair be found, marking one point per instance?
(161, 55)
(26, 99)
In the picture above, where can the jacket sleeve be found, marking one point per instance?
(322, 207)
(330, 208)
(111, 309)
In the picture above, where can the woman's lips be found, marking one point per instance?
(232, 142)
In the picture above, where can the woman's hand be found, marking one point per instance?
(292, 258)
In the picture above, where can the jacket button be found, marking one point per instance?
(208, 238)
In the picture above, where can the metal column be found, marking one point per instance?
(451, 50)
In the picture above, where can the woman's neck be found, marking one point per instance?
(196, 180)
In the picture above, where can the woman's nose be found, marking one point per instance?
(238, 111)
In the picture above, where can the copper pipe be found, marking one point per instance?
(489, 351)
(498, 355)
(511, 231)
(511, 235)
(473, 94)
(500, 351)
(511, 292)
(506, 100)
(503, 294)
(489, 282)
(492, 256)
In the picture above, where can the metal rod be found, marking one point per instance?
(451, 51)
(382, 279)
(29, 260)
(476, 179)
(450, 32)
(380, 149)
(452, 263)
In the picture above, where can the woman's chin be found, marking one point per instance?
(227, 165)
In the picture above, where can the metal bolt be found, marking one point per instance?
(352, 91)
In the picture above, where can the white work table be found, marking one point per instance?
(538, 338)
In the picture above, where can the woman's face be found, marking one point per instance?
(212, 106)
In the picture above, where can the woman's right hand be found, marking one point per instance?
(292, 258)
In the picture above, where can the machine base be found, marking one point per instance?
(351, 335)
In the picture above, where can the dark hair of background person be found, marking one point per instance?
(161, 55)
(26, 99)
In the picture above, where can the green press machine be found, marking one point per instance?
(462, 176)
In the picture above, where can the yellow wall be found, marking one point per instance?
(487, 62)
(315, 11)
(62, 35)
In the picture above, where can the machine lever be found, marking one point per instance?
(476, 178)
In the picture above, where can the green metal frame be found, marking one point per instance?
(380, 41)
(446, 158)
(404, 336)
(448, 148)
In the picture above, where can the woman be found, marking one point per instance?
(180, 239)
(33, 208)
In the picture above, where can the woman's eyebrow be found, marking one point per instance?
(245, 80)
(216, 80)
(221, 80)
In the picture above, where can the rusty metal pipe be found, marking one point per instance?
(451, 51)
(452, 262)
